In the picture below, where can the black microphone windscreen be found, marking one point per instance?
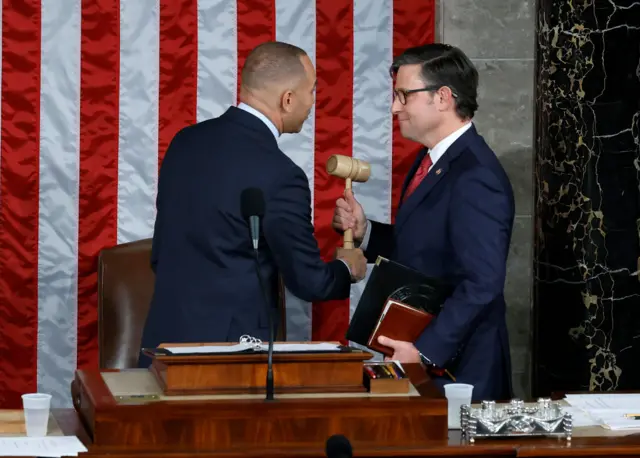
(338, 446)
(252, 203)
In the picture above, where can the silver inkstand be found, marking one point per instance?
(514, 419)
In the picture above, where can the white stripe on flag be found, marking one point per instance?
(217, 57)
(296, 24)
(138, 123)
(58, 197)
(372, 127)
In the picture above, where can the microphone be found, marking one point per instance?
(338, 446)
(252, 207)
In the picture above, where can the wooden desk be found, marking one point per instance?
(609, 444)
(69, 423)
(173, 430)
(178, 428)
(602, 446)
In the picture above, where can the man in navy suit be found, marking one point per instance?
(206, 287)
(454, 221)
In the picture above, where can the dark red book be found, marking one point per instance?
(399, 321)
(398, 302)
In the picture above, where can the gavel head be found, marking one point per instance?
(348, 167)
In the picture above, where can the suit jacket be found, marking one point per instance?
(457, 226)
(206, 285)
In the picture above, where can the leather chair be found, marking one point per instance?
(125, 289)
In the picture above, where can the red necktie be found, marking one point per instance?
(423, 168)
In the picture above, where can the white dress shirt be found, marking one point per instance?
(436, 153)
(263, 118)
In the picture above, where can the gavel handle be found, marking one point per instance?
(348, 234)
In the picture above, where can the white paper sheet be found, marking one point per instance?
(51, 446)
(609, 409)
(629, 401)
(580, 417)
(278, 347)
(210, 349)
(304, 347)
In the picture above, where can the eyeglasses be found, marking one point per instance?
(401, 94)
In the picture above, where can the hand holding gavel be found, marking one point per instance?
(351, 169)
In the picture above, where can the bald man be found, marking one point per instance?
(206, 286)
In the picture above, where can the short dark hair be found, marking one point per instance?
(445, 65)
(272, 62)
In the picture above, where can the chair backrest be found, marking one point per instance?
(125, 288)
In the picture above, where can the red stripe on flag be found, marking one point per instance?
(178, 86)
(333, 135)
(256, 23)
(413, 25)
(19, 204)
(98, 189)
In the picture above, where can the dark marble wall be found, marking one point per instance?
(586, 291)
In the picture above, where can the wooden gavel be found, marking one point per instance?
(350, 169)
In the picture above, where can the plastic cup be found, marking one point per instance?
(457, 395)
(36, 413)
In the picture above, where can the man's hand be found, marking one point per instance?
(349, 215)
(356, 261)
(405, 352)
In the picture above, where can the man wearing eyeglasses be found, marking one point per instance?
(454, 222)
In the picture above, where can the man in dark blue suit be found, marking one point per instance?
(454, 221)
(206, 286)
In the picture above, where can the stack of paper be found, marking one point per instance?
(277, 347)
(615, 411)
(579, 417)
(302, 347)
(210, 349)
(50, 446)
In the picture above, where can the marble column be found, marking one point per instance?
(586, 292)
(498, 36)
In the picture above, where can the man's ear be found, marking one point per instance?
(286, 101)
(446, 95)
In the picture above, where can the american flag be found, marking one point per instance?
(92, 93)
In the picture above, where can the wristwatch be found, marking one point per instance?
(432, 368)
(426, 361)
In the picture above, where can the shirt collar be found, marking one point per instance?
(263, 118)
(443, 145)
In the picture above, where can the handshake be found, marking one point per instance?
(349, 214)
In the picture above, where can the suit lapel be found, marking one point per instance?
(437, 173)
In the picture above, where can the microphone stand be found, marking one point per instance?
(269, 386)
